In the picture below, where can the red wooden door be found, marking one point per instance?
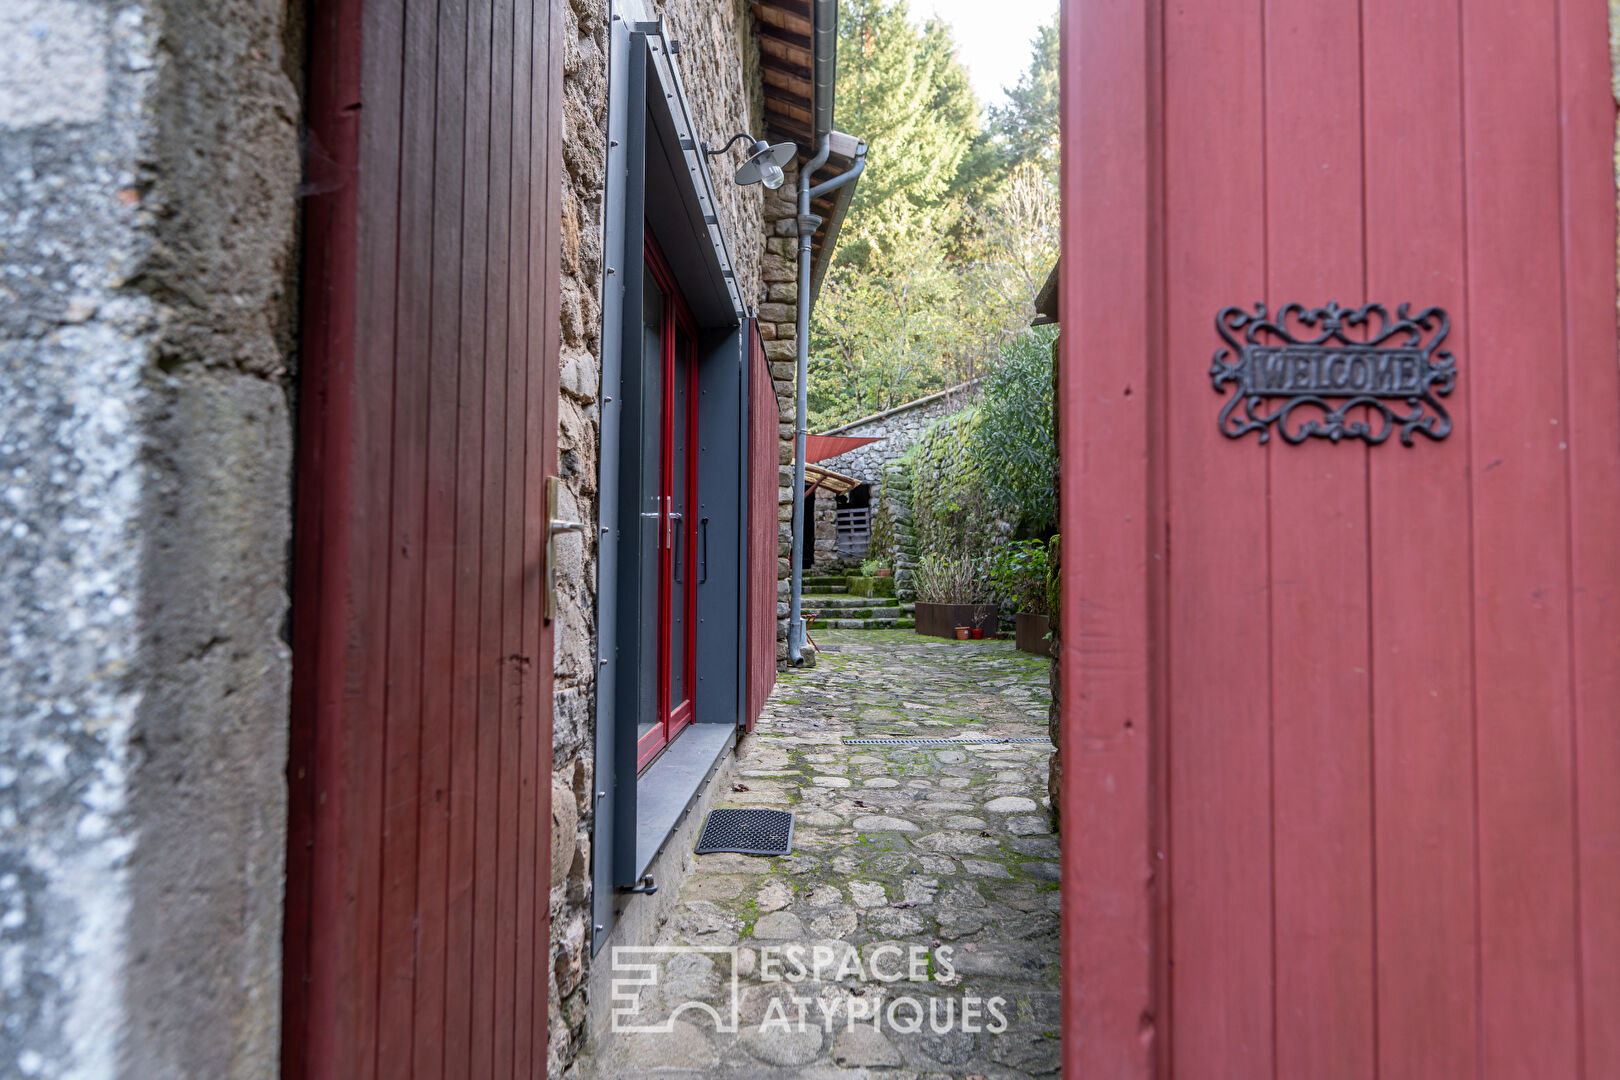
(1340, 741)
(418, 869)
(764, 476)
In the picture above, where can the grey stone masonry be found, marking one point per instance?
(149, 172)
(893, 536)
(778, 326)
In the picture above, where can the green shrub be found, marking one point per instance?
(1017, 573)
(1015, 433)
(947, 579)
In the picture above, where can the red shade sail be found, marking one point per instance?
(822, 447)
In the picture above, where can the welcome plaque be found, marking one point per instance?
(1333, 374)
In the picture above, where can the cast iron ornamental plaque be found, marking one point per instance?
(1331, 362)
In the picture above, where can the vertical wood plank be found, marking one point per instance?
(545, 328)
(442, 533)
(495, 688)
(506, 366)
(404, 531)
(1422, 666)
(460, 969)
(546, 115)
(1321, 768)
(520, 706)
(359, 854)
(1521, 541)
(1108, 54)
(1219, 708)
(323, 554)
(1592, 392)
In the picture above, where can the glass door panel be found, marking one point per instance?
(669, 480)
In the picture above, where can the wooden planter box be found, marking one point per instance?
(941, 620)
(1030, 635)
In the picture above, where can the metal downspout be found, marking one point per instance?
(801, 349)
(807, 228)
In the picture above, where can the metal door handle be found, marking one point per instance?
(703, 578)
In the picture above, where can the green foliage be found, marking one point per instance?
(1017, 574)
(950, 508)
(981, 477)
(870, 567)
(1027, 128)
(952, 228)
(1016, 433)
(901, 89)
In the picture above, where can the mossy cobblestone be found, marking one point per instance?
(934, 848)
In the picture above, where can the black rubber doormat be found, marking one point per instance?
(747, 831)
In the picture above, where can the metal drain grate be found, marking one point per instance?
(923, 741)
(747, 832)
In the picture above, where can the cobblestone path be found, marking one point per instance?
(933, 868)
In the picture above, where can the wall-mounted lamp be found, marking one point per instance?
(764, 165)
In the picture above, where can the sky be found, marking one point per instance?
(992, 37)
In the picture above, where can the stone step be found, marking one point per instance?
(825, 615)
(831, 584)
(887, 623)
(845, 601)
(866, 606)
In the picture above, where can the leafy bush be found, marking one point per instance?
(1015, 434)
(985, 474)
(870, 567)
(949, 579)
(1018, 575)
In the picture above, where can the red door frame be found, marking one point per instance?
(672, 721)
(1488, 134)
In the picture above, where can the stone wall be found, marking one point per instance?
(778, 325)
(893, 536)
(825, 535)
(149, 168)
(899, 428)
(719, 70)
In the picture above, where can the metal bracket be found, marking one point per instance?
(555, 527)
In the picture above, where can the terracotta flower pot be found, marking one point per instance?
(962, 633)
(978, 633)
(885, 572)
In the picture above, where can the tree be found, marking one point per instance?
(884, 332)
(1028, 126)
(953, 227)
(901, 89)
(1009, 247)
